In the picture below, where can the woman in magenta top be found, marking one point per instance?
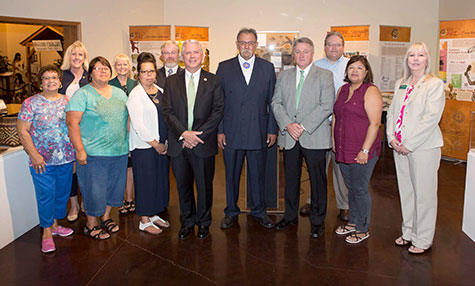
(355, 135)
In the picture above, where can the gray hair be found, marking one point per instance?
(190, 42)
(246, 31)
(303, 40)
(170, 43)
(335, 33)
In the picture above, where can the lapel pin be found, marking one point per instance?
(205, 79)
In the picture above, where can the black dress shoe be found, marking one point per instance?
(228, 221)
(185, 231)
(203, 232)
(265, 221)
(317, 230)
(305, 209)
(285, 223)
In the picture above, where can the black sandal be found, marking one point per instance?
(110, 225)
(127, 207)
(88, 231)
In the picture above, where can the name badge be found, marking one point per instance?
(404, 86)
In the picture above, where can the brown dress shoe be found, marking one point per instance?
(305, 209)
(345, 215)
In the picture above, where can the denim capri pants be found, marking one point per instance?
(52, 189)
(102, 182)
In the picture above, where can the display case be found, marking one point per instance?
(472, 132)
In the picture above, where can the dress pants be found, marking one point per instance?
(256, 166)
(315, 160)
(417, 182)
(189, 168)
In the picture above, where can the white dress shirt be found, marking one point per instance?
(196, 79)
(174, 70)
(247, 72)
(305, 73)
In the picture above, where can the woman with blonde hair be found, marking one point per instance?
(75, 76)
(414, 134)
(122, 66)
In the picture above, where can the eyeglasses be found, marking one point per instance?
(331, 45)
(250, 43)
(104, 69)
(149, 72)
(46, 78)
(169, 53)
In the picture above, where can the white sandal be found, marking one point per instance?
(143, 226)
(161, 222)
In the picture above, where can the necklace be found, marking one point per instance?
(154, 98)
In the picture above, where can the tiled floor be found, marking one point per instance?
(248, 254)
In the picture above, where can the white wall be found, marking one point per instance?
(105, 23)
(312, 18)
(456, 9)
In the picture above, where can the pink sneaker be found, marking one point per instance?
(62, 231)
(47, 245)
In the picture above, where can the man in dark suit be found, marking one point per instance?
(302, 102)
(193, 105)
(248, 127)
(171, 56)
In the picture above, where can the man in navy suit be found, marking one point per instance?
(248, 127)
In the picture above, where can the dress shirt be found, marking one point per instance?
(297, 74)
(196, 79)
(337, 68)
(247, 72)
(174, 69)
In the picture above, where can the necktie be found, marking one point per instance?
(299, 89)
(191, 101)
(170, 72)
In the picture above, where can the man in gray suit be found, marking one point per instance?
(303, 100)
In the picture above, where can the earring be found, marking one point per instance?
(60, 86)
(41, 87)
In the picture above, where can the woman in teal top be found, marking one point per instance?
(97, 122)
(122, 66)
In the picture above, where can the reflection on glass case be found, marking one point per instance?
(472, 132)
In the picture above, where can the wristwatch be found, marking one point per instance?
(365, 151)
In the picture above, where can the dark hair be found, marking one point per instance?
(50, 68)
(94, 61)
(146, 57)
(334, 33)
(369, 75)
(246, 31)
(17, 57)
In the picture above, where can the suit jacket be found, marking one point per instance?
(316, 104)
(68, 78)
(248, 116)
(162, 77)
(424, 107)
(207, 112)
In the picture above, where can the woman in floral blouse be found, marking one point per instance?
(44, 135)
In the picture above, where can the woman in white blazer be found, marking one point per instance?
(148, 146)
(413, 133)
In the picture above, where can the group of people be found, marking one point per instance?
(325, 111)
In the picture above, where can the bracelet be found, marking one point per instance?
(365, 151)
